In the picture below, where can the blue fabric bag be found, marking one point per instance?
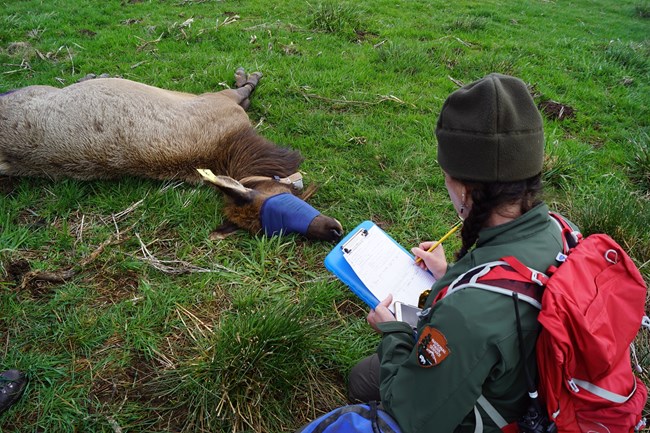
(354, 418)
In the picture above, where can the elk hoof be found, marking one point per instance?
(242, 78)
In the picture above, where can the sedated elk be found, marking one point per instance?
(106, 128)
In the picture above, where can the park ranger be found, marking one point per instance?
(465, 350)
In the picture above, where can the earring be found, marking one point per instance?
(462, 206)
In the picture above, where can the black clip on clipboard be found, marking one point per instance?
(351, 243)
(336, 263)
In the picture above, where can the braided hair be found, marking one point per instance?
(486, 197)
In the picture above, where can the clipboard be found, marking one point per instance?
(337, 263)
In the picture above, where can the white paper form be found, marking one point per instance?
(384, 267)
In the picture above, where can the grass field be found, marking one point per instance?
(159, 328)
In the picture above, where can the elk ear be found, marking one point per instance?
(223, 231)
(229, 186)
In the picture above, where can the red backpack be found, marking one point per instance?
(592, 307)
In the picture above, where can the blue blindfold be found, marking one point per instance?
(286, 213)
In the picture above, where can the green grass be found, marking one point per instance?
(643, 9)
(159, 328)
(638, 167)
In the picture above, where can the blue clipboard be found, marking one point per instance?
(335, 263)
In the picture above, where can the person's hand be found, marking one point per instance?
(381, 313)
(434, 261)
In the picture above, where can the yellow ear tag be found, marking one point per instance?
(207, 174)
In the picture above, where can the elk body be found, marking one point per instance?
(107, 128)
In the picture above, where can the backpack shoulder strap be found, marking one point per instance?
(491, 411)
(508, 274)
(510, 277)
(570, 237)
(505, 276)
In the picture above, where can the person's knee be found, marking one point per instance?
(363, 381)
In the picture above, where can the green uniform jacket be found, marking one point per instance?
(477, 331)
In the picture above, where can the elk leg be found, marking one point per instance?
(245, 84)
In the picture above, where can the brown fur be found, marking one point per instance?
(110, 128)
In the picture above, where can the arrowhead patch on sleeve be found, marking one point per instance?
(432, 347)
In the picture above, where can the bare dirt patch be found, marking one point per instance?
(556, 110)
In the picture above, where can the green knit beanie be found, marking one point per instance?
(491, 130)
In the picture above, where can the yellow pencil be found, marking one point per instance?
(442, 239)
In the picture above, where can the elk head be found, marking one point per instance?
(270, 205)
